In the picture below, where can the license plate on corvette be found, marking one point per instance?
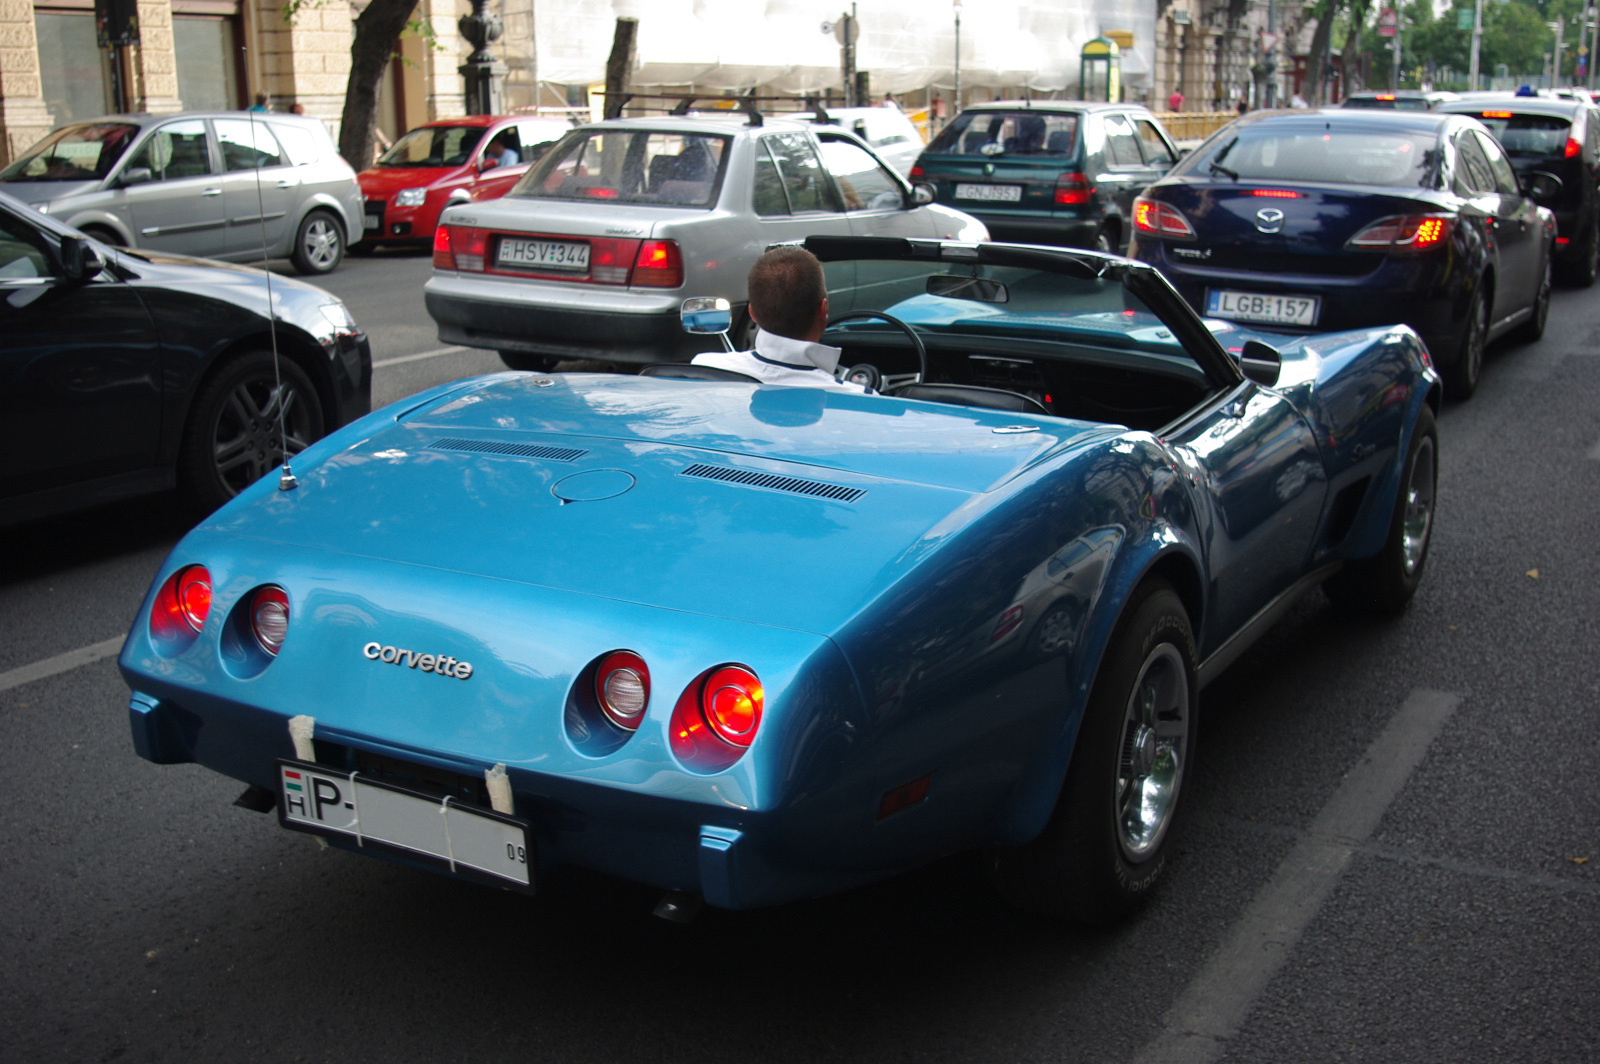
(1251, 306)
(472, 842)
(543, 254)
(992, 193)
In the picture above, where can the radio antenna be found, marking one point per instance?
(286, 479)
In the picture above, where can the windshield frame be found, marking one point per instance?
(1195, 341)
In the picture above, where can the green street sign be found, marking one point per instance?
(1463, 18)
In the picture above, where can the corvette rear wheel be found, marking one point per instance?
(1461, 378)
(1108, 840)
(1385, 583)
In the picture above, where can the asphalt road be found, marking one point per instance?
(1392, 850)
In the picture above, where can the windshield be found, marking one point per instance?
(1008, 133)
(1267, 151)
(433, 146)
(630, 166)
(76, 153)
(1528, 136)
(1018, 302)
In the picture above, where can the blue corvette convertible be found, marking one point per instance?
(755, 643)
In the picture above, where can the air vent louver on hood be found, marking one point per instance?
(773, 482)
(514, 450)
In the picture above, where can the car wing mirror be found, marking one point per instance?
(1260, 362)
(136, 175)
(488, 162)
(922, 194)
(708, 316)
(80, 260)
(1539, 186)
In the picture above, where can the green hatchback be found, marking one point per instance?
(1049, 171)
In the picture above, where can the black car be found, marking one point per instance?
(1554, 146)
(1342, 219)
(124, 372)
(1048, 172)
(1398, 100)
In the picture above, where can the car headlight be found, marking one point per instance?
(338, 315)
(410, 197)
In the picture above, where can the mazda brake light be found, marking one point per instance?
(1160, 219)
(1404, 232)
(1274, 193)
(1073, 190)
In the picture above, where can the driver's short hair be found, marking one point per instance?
(786, 288)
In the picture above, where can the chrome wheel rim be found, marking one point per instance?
(1153, 753)
(1475, 341)
(245, 443)
(321, 244)
(1418, 520)
(1055, 631)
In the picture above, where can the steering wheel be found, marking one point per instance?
(916, 341)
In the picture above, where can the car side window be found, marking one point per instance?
(769, 198)
(22, 252)
(177, 149)
(801, 173)
(1505, 178)
(246, 145)
(1121, 143)
(864, 184)
(303, 145)
(1473, 176)
(536, 140)
(1156, 152)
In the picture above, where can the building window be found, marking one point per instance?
(72, 67)
(208, 68)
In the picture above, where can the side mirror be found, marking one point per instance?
(80, 260)
(706, 316)
(1260, 362)
(922, 194)
(1539, 186)
(135, 175)
(488, 162)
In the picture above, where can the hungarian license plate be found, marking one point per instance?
(371, 221)
(992, 193)
(543, 254)
(1251, 306)
(470, 842)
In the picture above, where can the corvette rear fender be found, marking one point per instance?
(1164, 551)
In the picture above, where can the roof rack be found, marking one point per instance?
(683, 103)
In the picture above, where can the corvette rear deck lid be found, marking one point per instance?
(938, 445)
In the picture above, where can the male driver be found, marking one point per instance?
(789, 303)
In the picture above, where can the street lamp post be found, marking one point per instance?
(955, 107)
(1477, 42)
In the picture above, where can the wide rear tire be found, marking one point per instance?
(1108, 840)
(1384, 583)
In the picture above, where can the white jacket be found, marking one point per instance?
(781, 360)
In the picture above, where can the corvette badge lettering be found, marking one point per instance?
(439, 663)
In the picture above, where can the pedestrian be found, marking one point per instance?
(789, 304)
(1244, 105)
(1175, 101)
(297, 109)
(261, 102)
(1298, 101)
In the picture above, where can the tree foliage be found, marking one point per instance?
(1516, 35)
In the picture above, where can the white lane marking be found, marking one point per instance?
(420, 356)
(1215, 1004)
(66, 662)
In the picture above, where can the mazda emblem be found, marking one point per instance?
(1269, 219)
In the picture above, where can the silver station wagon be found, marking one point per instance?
(590, 255)
(219, 185)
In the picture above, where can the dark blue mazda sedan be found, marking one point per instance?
(1341, 219)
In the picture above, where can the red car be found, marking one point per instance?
(453, 160)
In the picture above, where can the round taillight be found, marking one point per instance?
(731, 704)
(622, 687)
(269, 618)
(193, 596)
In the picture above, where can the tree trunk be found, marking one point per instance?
(378, 30)
(619, 67)
(1354, 71)
(1319, 47)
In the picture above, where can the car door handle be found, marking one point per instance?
(212, 192)
(286, 184)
